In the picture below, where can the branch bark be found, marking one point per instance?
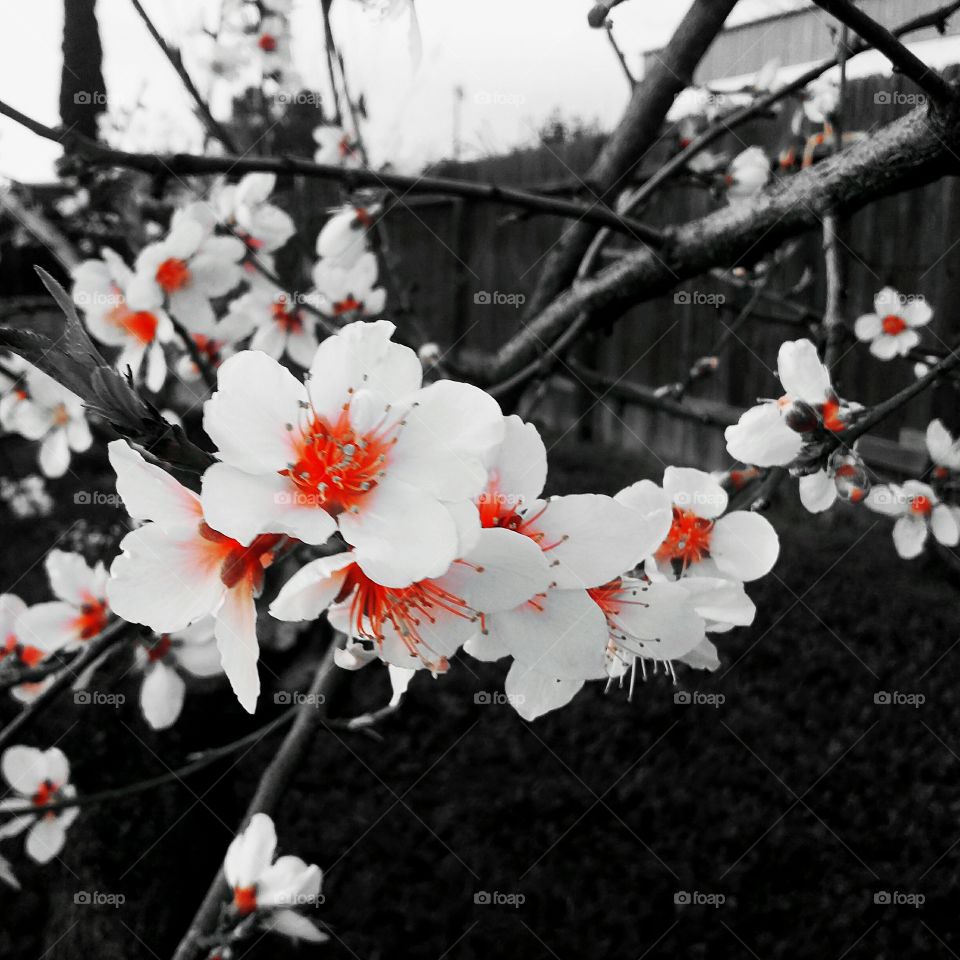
(910, 152)
(627, 145)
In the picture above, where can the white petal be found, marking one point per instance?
(564, 635)
(400, 534)
(659, 620)
(161, 696)
(289, 881)
(909, 536)
(164, 582)
(312, 588)
(503, 570)
(250, 852)
(236, 634)
(943, 523)
(55, 453)
(291, 924)
(150, 493)
(249, 415)
(45, 839)
(49, 626)
(720, 601)
(761, 437)
(519, 465)
(71, 577)
(647, 498)
(917, 313)
(744, 545)
(24, 768)
(868, 327)
(944, 450)
(694, 490)
(590, 539)
(702, 657)
(447, 435)
(244, 505)
(361, 357)
(802, 374)
(818, 491)
(887, 499)
(533, 694)
(884, 347)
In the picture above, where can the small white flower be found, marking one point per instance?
(748, 174)
(278, 325)
(918, 511)
(244, 206)
(349, 292)
(271, 888)
(39, 777)
(336, 147)
(891, 330)
(944, 450)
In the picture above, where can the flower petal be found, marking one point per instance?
(161, 696)
(533, 694)
(744, 545)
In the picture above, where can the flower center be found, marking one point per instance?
(921, 505)
(237, 562)
(336, 466)
(406, 609)
(173, 275)
(93, 617)
(893, 324)
(347, 305)
(141, 325)
(831, 416)
(267, 42)
(160, 648)
(245, 900)
(45, 793)
(688, 539)
(60, 417)
(288, 320)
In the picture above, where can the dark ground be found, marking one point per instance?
(797, 799)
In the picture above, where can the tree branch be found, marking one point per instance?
(173, 55)
(914, 150)
(183, 164)
(903, 59)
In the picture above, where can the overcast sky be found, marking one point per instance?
(517, 60)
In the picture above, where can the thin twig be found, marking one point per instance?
(902, 58)
(185, 164)
(176, 61)
(92, 649)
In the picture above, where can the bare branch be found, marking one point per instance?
(184, 164)
(903, 59)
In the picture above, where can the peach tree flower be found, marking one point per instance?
(176, 569)
(775, 432)
(79, 613)
(268, 888)
(349, 292)
(361, 448)
(278, 325)
(336, 147)
(747, 175)
(343, 238)
(98, 289)
(187, 269)
(919, 512)
(15, 654)
(53, 415)
(424, 624)
(38, 777)
(891, 330)
(243, 206)
(943, 449)
(165, 659)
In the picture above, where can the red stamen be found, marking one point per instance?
(921, 504)
(893, 324)
(94, 615)
(290, 321)
(159, 649)
(245, 900)
(267, 43)
(173, 275)
(688, 539)
(347, 305)
(237, 562)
